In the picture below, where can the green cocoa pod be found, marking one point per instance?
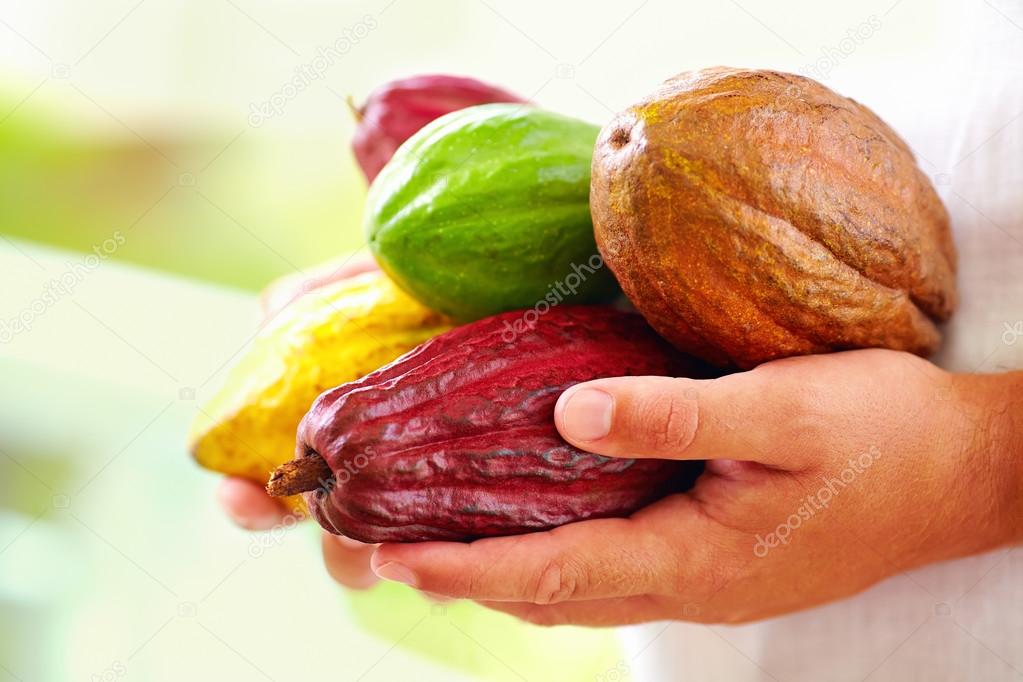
(486, 210)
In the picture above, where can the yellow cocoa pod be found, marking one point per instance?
(332, 335)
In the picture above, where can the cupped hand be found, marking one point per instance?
(824, 475)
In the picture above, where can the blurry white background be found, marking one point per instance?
(114, 560)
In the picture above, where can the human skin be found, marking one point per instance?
(825, 474)
(937, 464)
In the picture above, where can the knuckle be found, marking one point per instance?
(559, 581)
(465, 585)
(717, 575)
(709, 567)
(668, 418)
(802, 416)
(468, 586)
(809, 399)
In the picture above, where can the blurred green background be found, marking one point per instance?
(142, 207)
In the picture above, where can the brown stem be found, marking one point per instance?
(299, 476)
(356, 111)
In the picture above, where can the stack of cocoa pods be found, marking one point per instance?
(732, 217)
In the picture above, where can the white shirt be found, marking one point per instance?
(960, 106)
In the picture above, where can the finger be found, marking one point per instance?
(248, 505)
(588, 560)
(347, 561)
(591, 613)
(736, 417)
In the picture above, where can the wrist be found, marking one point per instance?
(1013, 453)
(998, 416)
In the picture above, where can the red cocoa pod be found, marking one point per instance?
(456, 440)
(397, 110)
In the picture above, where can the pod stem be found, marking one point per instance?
(354, 108)
(299, 476)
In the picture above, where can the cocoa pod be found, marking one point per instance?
(456, 439)
(397, 110)
(752, 215)
(334, 333)
(482, 210)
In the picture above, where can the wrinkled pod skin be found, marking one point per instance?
(751, 215)
(397, 110)
(456, 439)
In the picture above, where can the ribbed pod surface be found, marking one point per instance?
(456, 439)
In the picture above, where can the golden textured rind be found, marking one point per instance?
(752, 215)
(332, 335)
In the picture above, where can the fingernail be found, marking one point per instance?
(396, 572)
(587, 414)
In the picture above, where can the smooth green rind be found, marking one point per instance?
(487, 209)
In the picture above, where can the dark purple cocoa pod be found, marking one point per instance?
(395, 111)
(456, 439)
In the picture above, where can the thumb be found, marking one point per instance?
(735, 417)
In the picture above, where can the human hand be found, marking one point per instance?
(825, 474)
(246, 502)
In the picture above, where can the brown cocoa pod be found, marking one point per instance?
(456, 439)
(751, 215)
